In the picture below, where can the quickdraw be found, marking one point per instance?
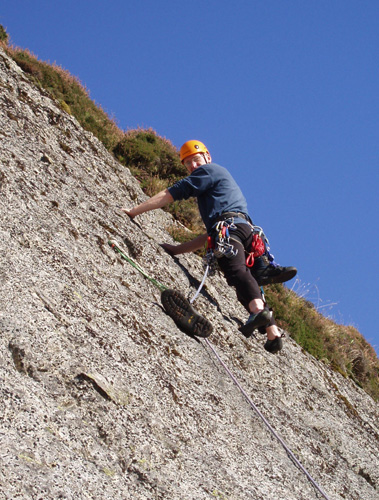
(220, 242)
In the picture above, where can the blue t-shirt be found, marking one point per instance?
(216, 192)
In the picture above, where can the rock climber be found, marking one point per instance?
(223, 209)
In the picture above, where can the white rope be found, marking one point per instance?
(270, 428)
(201, 285)
(290, 454)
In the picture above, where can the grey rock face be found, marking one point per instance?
(101, 395)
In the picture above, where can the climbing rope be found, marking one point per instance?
(263, 418)
(117, 249)
(201, 285)
(162, 287)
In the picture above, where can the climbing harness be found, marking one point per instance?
(219, 241)
(163, 288)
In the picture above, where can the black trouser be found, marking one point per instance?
(235, 270)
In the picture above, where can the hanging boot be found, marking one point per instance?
(185, 316)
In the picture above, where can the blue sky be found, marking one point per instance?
(285, 94)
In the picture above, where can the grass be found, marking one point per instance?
(154, 161)
(341, 347)
(3, 36)
(72, 96)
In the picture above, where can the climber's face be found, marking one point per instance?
(196, 160)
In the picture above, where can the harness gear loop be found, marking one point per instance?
(221, 239)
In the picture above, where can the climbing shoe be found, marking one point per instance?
(275, 345)
(266, 272)
(184, 315)
(255, 321)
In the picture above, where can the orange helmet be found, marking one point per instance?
(191, 148)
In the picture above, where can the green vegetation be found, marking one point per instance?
(154, 161)
(71, 95)
(3, 36)
(343, 348)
